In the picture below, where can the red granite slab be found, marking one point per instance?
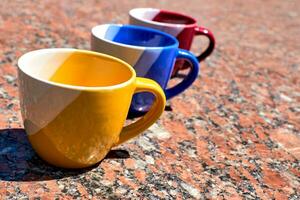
(235, 134)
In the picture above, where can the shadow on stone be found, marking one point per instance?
(132, 116)
(19, 162)
(168, 108)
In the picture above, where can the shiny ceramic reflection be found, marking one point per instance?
(152, 53)
(74, 104)
(181, 26)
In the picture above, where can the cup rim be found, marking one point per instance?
(131, 14)
(22, 62)
(174, 40)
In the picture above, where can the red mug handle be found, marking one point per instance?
(204, 31)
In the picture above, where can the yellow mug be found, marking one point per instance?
(74, 104)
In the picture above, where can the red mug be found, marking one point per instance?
(183, 27)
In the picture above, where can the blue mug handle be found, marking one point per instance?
(189, 79)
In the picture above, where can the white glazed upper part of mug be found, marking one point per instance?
(145, 16)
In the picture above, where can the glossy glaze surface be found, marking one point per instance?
(74, 104)
(181, 26)
(152, 54)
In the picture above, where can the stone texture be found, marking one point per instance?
(234, 134)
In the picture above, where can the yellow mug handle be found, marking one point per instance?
(134, 129)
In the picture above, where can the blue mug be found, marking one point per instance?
(152, 54)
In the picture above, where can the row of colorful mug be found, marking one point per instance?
(74, 102)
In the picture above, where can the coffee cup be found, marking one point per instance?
(74, 104)
(152, 54)
(181, 26)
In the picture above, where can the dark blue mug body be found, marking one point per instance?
(152, 54)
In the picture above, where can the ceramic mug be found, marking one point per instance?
(181, 26)
(74, 104)
(152, 54)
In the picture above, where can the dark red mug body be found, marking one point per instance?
(183, 27)
(186, 32)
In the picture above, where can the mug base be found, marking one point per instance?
(48, 152)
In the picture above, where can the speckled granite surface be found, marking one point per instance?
(233, 135)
